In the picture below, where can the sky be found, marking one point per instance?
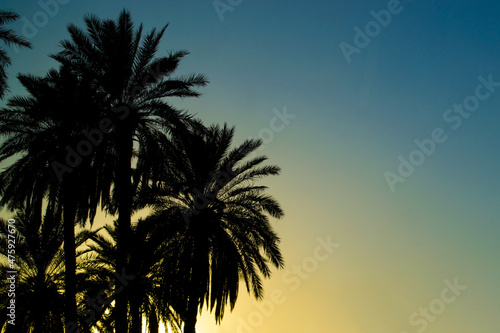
(383, 116)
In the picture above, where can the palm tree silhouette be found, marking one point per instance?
(216, 221)
(37, 130)
(147, 252)
(9, 38)
(122, 65)
(39, 262)
(210, 225)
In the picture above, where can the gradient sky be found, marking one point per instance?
(348, 125)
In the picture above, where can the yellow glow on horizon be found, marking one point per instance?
(168, 330)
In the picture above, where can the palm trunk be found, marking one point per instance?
(190, 323)
(153, 322)
(124, 199)
(135, 315)
(189, 326)
(37, 304)
(69, 213)
(35, 209)
(192, 310)
(194, 293)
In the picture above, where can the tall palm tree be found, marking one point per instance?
(123, 66)
(216, 221)
(9, 38)
(37, 130)
(39, 262)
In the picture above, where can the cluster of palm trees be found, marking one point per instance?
(99, 134)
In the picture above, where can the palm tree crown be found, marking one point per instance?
(217, 219)
(9, 38)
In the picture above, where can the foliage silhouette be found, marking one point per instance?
(39, 261)
(9, 37)
(216, 219)
(37, 130)
(147, 252)
(210, 222)
(122, 65)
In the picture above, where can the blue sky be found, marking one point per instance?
(351, 122)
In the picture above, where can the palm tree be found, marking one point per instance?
(37, 130)
(39, 262)
(122, 65)
(147, 252)
(9, 38)
(215, 220)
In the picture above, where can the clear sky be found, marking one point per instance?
(384, 117)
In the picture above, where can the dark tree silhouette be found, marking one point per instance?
(37, 130)
(39, 261)
(210, 226)
(216, 221)
(9, 38)
(122, 65)
(147, 252)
